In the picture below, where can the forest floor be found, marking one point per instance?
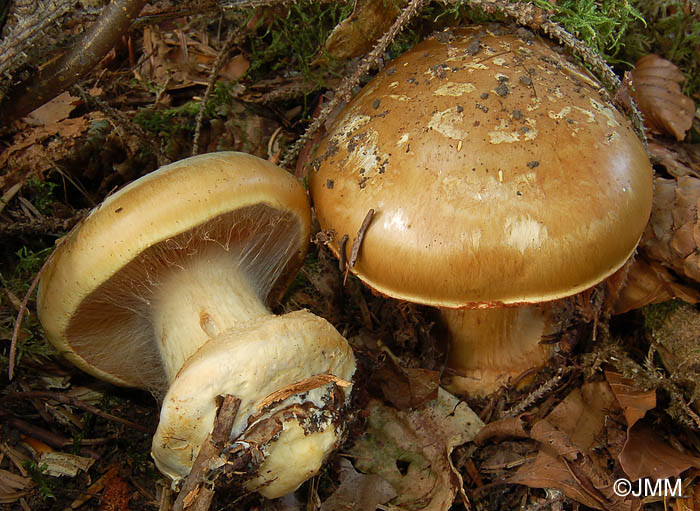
(619, 401)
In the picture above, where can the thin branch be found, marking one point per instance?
(122, 122)
(234, 38)
(67, 400)
(345, 89)
(18, 320)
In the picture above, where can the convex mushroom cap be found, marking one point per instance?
(166, 286)
(499, 175)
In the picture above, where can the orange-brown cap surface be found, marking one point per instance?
(497, 172)
(94, 295)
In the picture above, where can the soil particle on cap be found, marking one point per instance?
(533, 164)
(390, 71)
(483, 108)
(502, 90)
(375, 104)
(330, 184)
(474, 47)
(517, 115)
(460, 109)
(484, 95)
(526, 80)
(412, 80)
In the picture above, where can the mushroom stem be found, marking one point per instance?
(199, 301)
(489, 346)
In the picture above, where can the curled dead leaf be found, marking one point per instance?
(635, 403)
(649, 282)
(646, 455)
(673, 234)
(658, 95)
(411, 450)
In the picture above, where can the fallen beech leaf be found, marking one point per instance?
(549, 472)
(649, 282)
(405, 387)
(357, 34)
(235, 68)
(635, 403)
(411, 449)
(646, 455)
(56, 110)
(658, 95)
(568, 459)
(681, 160)
(358, 492)
(672, 236)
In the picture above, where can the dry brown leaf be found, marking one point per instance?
(549, 472)
(635, 403)
(649, 282)
(13, 486)
(405, 387)
(647, 455)
(58, 109)
(568, 459)
(357, 34)
(679, 160)
(235, 68)
(673, 234)
(358, 492)
(658, 95)
(411, 450)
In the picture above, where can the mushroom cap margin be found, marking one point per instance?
(160, 205)
(497, 172)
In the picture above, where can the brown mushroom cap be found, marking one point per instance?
(497, 172)
(94, 295)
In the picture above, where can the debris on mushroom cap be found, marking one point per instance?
(94, 296)
(497, 171)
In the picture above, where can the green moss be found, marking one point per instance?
(289, 43)
(655, 315)
(605, 26)
(675, 35)
(167, 123)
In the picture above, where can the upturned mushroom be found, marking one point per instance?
(167, 286)
(501, 180)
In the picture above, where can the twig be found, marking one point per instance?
(58, 76)
(233, 38)
(122, 122)
(196, 495)
(537, 394)
(48, 437)
(20, 317)
(345, 89)
(44, 226)
(67, 400)
(357, 242)
(342, 263)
